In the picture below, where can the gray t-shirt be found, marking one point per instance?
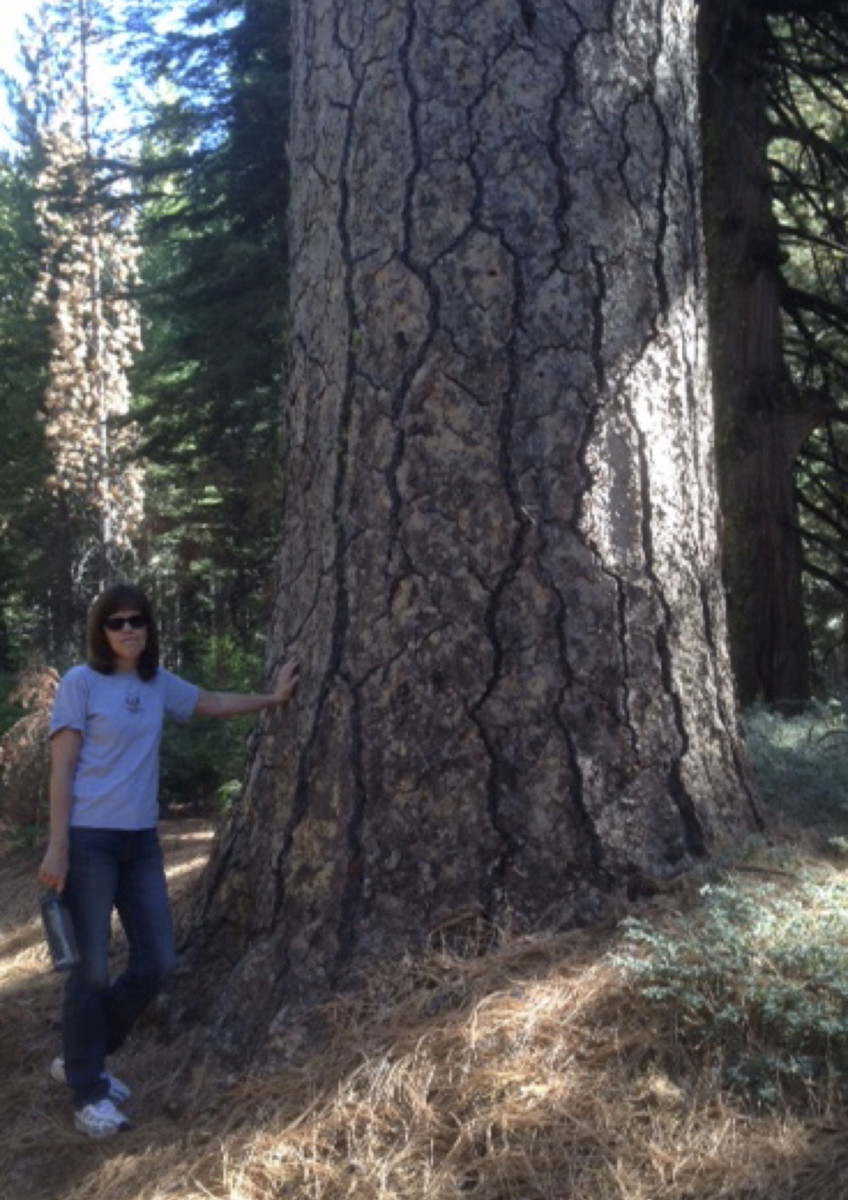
(120, 717)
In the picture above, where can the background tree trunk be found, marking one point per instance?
(762, 420)
(500, 562)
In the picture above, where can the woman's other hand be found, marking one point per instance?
(54, 868)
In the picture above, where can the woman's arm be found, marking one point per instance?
(64, 752)
(235, 704)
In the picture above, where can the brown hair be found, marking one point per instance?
(121, 596)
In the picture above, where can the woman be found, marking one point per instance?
(103, 849)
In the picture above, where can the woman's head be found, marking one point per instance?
(127, 600)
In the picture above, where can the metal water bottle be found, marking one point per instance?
(59, 931)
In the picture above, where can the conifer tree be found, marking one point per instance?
(89, 260)
(213, 295)
(809, 159)
(25, 510)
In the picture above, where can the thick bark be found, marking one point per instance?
(762, 421)
(500, 562)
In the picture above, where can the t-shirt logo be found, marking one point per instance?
(133, 703)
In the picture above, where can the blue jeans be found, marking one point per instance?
(122, 869)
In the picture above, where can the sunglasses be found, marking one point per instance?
(115, 624)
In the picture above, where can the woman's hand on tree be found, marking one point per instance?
(287, 682)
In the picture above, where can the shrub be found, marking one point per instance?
(801, 762)
(202, 762)
(23, 751)
(755, 981)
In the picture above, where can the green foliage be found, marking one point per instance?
(808, 89)
(27, 529)
(801, 762)
(210, 191)
(202, 762)
(215, 198)
(755, 982)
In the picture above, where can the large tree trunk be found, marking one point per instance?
(500, 562)
(762, 420)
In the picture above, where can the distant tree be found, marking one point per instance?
(762, 421)
(201, 401)
(26, 511)
(88, 260)
(809, 158)
(768, 73)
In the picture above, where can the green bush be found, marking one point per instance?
(755, 980)
(801, 762)
(202, 763)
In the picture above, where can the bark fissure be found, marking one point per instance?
(337, 670)
(407, 257)
(555, 149)
(599, 294)
(528, 15)
(695, 842)
(522, 524)
(663, 294)
(594, 870)
(352, 890)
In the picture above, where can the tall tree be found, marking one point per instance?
(26, 512)
(500, 562)
(761, 422)
(774, 374)
(213, 303)
(808, 98)
(88, 263)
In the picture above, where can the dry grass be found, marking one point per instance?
(23, 750)
(529, 1072)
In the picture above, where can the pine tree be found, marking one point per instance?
(26, 511)
(87, 271)
(214, 282)
(809, 159)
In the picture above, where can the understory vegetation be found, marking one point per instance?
(692, 1047)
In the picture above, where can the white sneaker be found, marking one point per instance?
(100, 1119)
(118, 1090)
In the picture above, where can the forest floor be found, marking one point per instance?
(535, 1070)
